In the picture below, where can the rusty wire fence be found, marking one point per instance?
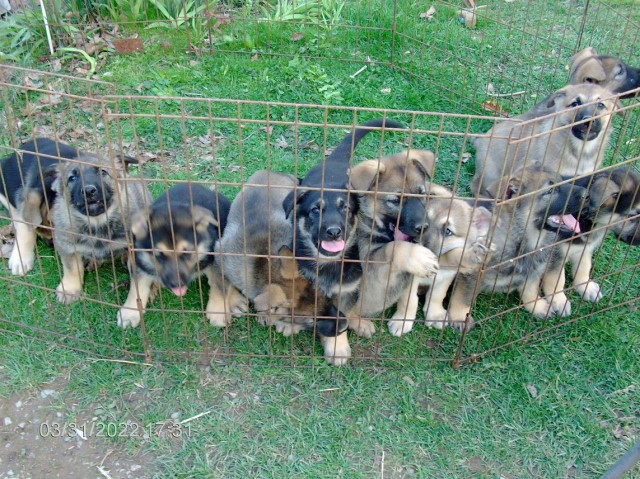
(220, 143)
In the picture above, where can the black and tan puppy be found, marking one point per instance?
(25, 190)
(391, 195)
(173, 245)
(532, 214)
(568, 132)
(324, 216)
(613, 203)
(457, 231)
(256, 259)
(607, 71)
(91, 213)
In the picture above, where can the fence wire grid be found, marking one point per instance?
(220, 143)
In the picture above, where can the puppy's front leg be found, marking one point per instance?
(70, 288)
(402, 320)
(140, 288)
(23, 255)
(222, 303)
(337, 350)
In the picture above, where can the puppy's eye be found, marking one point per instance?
(72, 177)
(547, 192)
(601, 106)
(615, 195)
(393, 199)
(448, 232)
(104, 173)
(421, 190)
(575, 103)
(315, 210)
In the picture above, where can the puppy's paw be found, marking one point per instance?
(21, 265)
(400, 326)
(422, 262)
(590, 291)
(362, 327)
(560, 305)
(287, 328)
(68, 294)
(128, 318)
(219, 320)
(464, 325)
(435, 317)
(337, 350)
(540, 308)
(459, 319)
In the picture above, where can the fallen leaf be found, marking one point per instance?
(493, 108)
(385, 90)
(128, 45)
(296, 37)
(194, 63)
(532, 390)
(233, 167)
(465, 157)
(50, 99)
(408, 380)
(490, 88)
(470, 3)
(429, 13)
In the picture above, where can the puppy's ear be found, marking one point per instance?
(505, 188)
(288, 263)
(291, 200)
(589, 70)
(287, 203)
(424, 160)
(140, 225)
(203, 218)
(581, 56)
(554, 101)
(481, 220)
(363, 175)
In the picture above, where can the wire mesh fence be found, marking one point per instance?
(161, 141)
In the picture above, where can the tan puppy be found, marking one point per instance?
(457, 232)
(391, 216)
(568, 132)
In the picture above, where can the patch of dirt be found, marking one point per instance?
(37, 440)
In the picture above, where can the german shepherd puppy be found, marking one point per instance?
(325, 243)
(26, 191)
(95, 200)
(174, 244)
(391, 217)
(457, 232)
(255, 257)
(613, 196)
(568, 132)
(608, 72)
(532, 213)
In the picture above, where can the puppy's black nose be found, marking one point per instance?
(335, 232)
(90, 190)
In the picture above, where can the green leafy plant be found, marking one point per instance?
(132, 11)
(321, 12)
(176, 13)
(22, 36)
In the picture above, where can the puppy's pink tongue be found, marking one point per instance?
(332, 246)
(571, 223)
(181, 291)
(399, 235)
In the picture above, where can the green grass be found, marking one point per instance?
(398, 408)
